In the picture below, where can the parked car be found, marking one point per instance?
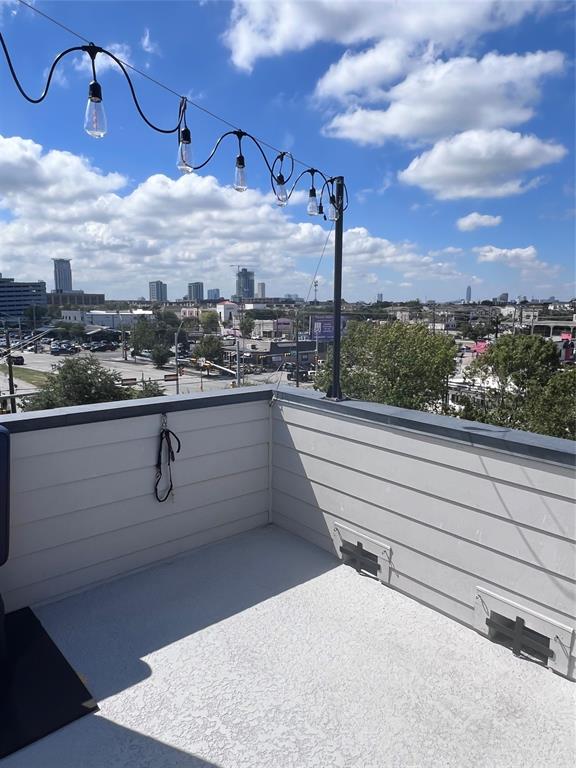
(17, 359)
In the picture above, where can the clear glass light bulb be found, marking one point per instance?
(184, 160)
(95, 123)
(332, 210)
(240, 184)
(312, 207)
(281, 192)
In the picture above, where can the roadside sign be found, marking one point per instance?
(128, 382)
(170, 377)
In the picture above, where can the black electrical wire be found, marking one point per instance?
(160, 84)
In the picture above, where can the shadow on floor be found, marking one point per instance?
(95, 742)
(105, 632)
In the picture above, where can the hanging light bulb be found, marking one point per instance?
(184, 161)
(332, 210)
(281, 192)
(321, 209)
(312, 207)
(95, 123)
(240, 184)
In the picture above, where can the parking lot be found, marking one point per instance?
(191, 381)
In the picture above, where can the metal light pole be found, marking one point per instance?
(10, 371)
(335, 392)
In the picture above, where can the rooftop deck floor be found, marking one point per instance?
(264, 651)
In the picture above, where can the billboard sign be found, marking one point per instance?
(322, 327)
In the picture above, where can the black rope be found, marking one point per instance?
(166, 436)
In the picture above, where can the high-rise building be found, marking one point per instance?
(379, 297)
(503, 298)
(468, 294)
(261, 291)
(15, 297)
(196, 291)
(62, 275)
(213, 294)
(158, 290)
(245, 284)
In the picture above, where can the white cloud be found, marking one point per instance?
(445, 97)
(481, 164)
(363, 74)
(260, 28)
(57, 204)
(475, 220)
(104, 63)
(148, 46)
(525, 259)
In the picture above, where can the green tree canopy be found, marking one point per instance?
(209, 321)
(209, 347)
(160, 355)
(551, 410)
(246, 326)
(77, 381)
(399, 364)
(142, 335)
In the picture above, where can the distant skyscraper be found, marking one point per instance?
(213, 294)
(158, 291)
(261, 291)
(379, 297)
(503, 298)
(245, 284)
(62, 275)
(468, 295)
(196, 291)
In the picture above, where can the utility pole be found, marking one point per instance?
(238, 374)
(176, 357)
(315, 291)
(10, 373)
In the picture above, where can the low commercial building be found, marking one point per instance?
(102, 319)
(75, 299)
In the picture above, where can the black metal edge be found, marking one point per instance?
(89, 414)
(472, 433)
(4, 494)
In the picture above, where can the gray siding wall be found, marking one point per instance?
(456, 516)
(82, 503)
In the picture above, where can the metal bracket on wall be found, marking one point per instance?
(366, 554)
(519, 623)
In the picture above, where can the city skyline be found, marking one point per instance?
(436, 203)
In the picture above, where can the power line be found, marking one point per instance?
(158, 83)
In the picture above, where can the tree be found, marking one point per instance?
(209, 321)
(142, 336)
(77, 381)
(246, 326)
(160, 355)
(148, 388)
(396, 363)
(209, 347)
(551, 410)
(512, 372)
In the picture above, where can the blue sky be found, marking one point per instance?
(452, 122)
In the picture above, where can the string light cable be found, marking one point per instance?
(281, 169)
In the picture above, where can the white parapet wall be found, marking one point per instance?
(82, 504)
(456, 512)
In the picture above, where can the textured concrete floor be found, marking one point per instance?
(263, 652)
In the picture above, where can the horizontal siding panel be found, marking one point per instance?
(66, 583)
(49, 563)
(138, 483)
(430, 597)
(510, 468)
(47, 441)
(94, 461)
(482, 493)
(391, 509)
(544, 587)
(82, 523)
(412, 565)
